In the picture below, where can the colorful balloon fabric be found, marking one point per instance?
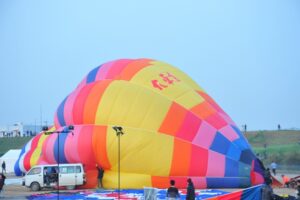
(172, 130)
(253, 193)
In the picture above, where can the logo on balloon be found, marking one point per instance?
(166, 79)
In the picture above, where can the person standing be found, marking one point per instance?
(298, 189)
(3, 167)
(267, 177)
(274, 167)
(100, 176)
(172, 192)
(190, 191)
(2, 181)
(267, 192)
(285, 180)
(46, 176)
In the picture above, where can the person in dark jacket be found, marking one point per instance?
(3, 167)
(2, 181)
(190, 191)
(100, 176)
(298, 190)
(267, 192)
(267, 176)
(172, 192)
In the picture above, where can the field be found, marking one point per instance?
(279, 146)
(12, 143)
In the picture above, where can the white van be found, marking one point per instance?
(42, 176)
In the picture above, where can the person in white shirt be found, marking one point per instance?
(274, 167)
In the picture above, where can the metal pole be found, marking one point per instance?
(119, 132)
(119, 166)
(71, 127)
(41, 116)
(58, 166)
(35, 127)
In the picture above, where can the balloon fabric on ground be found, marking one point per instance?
(253, 193)
(128, 194)
(172, 130)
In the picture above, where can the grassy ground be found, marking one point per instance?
(12, 143)
(281, 146)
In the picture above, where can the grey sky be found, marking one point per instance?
(245, 54)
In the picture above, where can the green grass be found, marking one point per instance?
(12, 143)
(281, 146)
(259, 138)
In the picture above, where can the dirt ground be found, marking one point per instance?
(18, 192)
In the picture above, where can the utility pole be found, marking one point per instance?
(119, 133)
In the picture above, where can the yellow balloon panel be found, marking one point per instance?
(151, 75)
(108, 101)
(128, 180)
(142, 151)
(38, 150)
(156, 112)
(132, 106)
(189, 99)
(181, 75)
(169, 83)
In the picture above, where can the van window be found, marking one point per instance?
(70, 170)
(67, 170)
(78, 169)
(36, 170)
(63, 170)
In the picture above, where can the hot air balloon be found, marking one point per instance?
(172, 130)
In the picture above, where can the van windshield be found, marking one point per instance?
(36, 170)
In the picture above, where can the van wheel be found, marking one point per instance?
(70, 187)
(35, 186)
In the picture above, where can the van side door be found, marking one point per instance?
(66, 175)
(79, 175)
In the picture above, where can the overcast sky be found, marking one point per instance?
(245, 54)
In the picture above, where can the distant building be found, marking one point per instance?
(19, 130)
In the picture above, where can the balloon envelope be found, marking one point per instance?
(172, 130)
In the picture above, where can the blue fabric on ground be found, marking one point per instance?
(253, 193)
(125, 194)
